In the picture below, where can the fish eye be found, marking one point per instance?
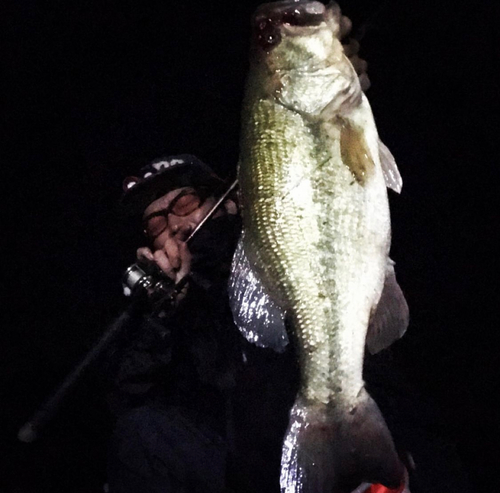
(269, 40)
(268, 34)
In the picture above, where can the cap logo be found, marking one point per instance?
(149, 171)
(166, 164)
(130, 182)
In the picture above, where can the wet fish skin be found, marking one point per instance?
(317, 232)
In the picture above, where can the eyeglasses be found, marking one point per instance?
(183, 204)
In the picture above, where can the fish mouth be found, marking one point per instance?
(271, 18)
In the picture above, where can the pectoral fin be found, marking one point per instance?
(392, 177)
(390, 319)
(260, 319)
(355, 152)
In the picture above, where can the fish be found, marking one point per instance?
(312, 266)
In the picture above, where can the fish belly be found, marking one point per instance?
(318, 239)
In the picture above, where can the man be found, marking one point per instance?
(174, 381)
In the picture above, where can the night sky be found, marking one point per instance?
(95, 89)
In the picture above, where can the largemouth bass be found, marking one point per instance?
(315, 246)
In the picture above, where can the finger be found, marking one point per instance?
(231, 207)
(171, 248)
(364, 82)
(360, 65)
(163, 262)
(185, 257)
(345, 26)
(351, 48)
(144, 253)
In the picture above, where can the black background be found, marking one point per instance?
(97, 88)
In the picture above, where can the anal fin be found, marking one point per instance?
(392, 176)
(390, 318)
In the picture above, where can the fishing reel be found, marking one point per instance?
(147, 279)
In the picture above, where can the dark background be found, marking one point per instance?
(97, 88)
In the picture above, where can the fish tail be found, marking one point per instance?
(333, 450)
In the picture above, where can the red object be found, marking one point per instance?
(379, 488)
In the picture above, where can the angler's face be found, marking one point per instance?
(175, 215)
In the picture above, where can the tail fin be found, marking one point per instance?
(333, 450)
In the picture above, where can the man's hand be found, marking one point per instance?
(174, 259)
(351, 50)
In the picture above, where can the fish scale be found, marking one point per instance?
(323, 225)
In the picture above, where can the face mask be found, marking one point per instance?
(213, 245)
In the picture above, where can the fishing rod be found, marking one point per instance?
(30, 431)
(140, 281)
